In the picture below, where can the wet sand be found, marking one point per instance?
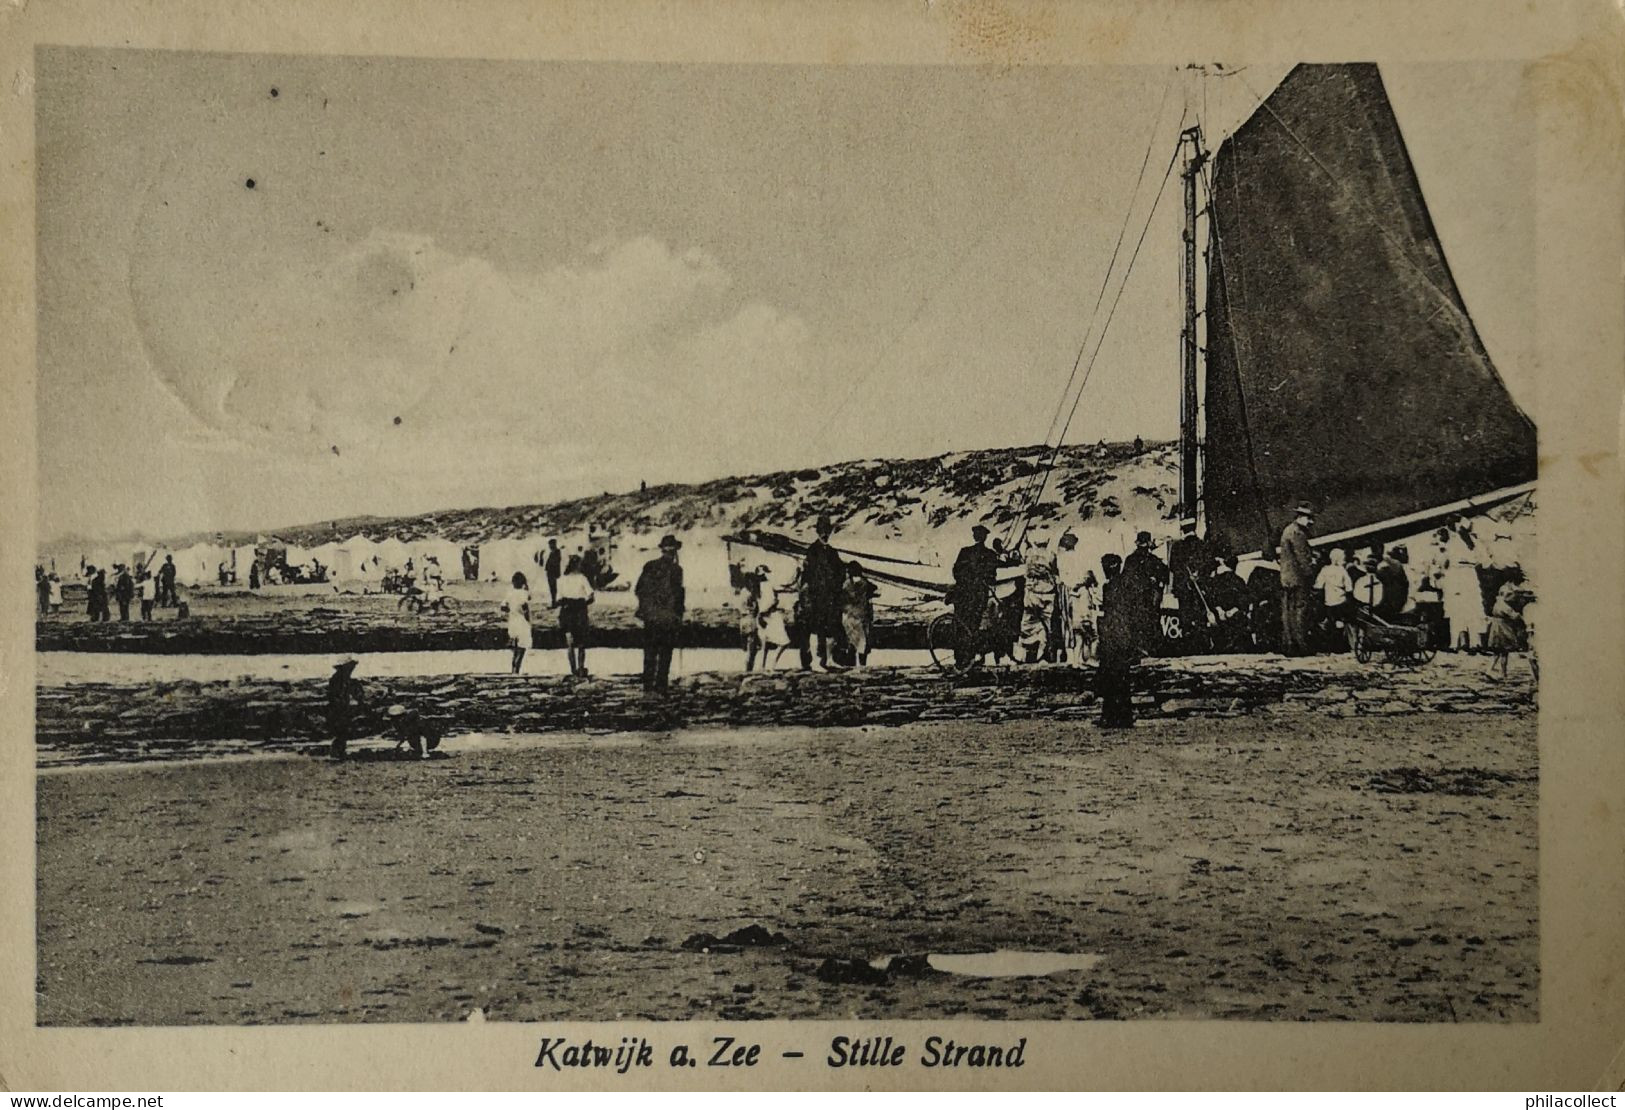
(1266, 867)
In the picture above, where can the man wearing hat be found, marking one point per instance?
(1297, 561)
(823, 572)
(976, 571)
(123, 591)
(344, 698)
(1119, 648)
(1188, 562)
(660, 608)
(1396, 583)
(1145, 577)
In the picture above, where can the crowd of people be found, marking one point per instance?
(148, 587)
(825, 611)
(1297, 599)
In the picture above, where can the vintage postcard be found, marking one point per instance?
(875, 545)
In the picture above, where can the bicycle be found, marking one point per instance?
(956, 647)
(416, 602)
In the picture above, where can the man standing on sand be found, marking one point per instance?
(166, 583)
(1119, 648)
(976, 572)
(1145, 577)
(660, 608)
(97, 607)
(148, 587)
(822, 574)
(1297, 561)
(551, 567)
(1188, 562)
(344, 698)
(123, 591)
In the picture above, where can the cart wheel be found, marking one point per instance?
(448, 605)
(410, 604)
(1362, 649)
(946, 637)
(1425, 653)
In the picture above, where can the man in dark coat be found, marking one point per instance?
(552, 566)
(124, 591)
(1264, 602)
(97, 607)
(1119, 648)
(592, 567)
(1145, 577)
(818, 614)
(166, 583)
(1188, 563)
(1227, 596)
(976, 571)
(1396, 584)
(1297, 581)
(660, 607)
(42, 588)
(345, 699)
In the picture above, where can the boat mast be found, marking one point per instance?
(1190, 142)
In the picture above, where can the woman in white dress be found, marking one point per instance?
(771, 629)
(517, 605)
(1463, 600)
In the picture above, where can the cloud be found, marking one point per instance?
(394, 325)
(414, 361)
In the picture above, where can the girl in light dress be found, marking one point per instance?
(575, 595)
(517, 605)
(774, 604)
(1463, 601)
(857, 611)
(1506, 627)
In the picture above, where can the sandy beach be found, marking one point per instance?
(1291, 867)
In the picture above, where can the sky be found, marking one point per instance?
(465, 283)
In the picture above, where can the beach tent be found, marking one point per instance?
(448, 554)
(242, 558)
(199, 564)
(393, 553)
(328, 554)
(354, 560)
(509, 554)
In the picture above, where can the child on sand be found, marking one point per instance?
(517, 605)
(574, 596)
(1505, 632)
(771, 627)
(857, 611)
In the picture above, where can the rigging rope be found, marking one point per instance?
(1101, 339)
(987, 225)
(1027, 497)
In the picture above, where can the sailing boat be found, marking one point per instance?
(1341, 364)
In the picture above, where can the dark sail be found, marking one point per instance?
(1342, 365)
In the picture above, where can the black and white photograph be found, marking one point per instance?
(526, 540)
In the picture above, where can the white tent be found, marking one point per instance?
(199, 564)
(241, 559)
(509, 555)
(393, 553)
(448, 554)
(327, 554)
(366, 564)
